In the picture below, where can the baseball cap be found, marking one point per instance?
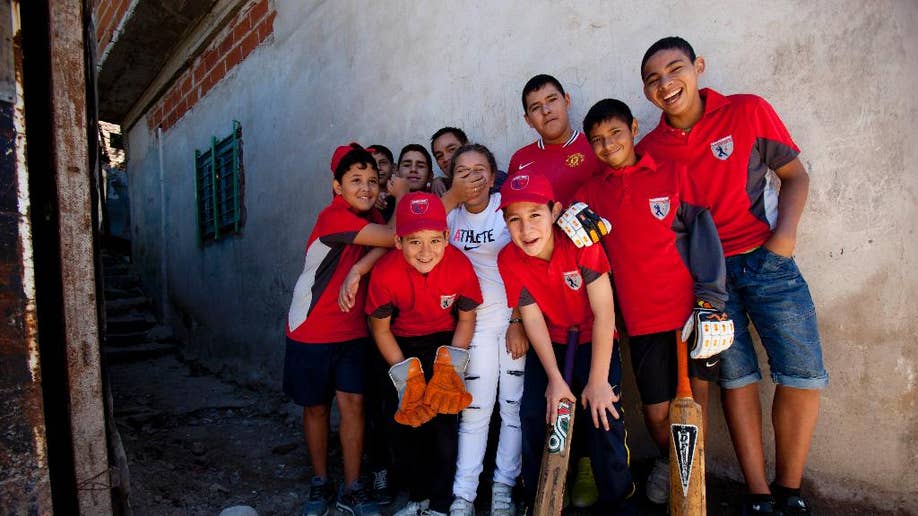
(529, 187)
(340, 153)
(418, 211)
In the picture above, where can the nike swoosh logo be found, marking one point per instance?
(711, 364)
(521, 167)
(469, 248)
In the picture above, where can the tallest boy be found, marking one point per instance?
(729, 143)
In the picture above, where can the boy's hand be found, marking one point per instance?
(438, 186)
(446, 392)
(381, 200)
(347, 294)
(600, 397)
(398, 187)
(582, 225)
(781, 245)
(408, 379)
(468, 188)
(517, 343)
(556, 391)
(713, 331)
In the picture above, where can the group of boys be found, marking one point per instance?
(695, 229)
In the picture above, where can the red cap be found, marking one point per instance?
(528, 187)
(340, 153)
(418, 211)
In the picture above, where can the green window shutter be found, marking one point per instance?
(218, 186)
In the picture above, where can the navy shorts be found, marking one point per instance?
(653, 359)
(313, 372)
(768, 289)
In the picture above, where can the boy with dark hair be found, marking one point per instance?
(666, 260)
(559, 288)
(563, 152)
(421, 302)
(444, 144)
(733, 147)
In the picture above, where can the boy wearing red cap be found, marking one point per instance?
(559, 288)
(421, 302)
(325, 344)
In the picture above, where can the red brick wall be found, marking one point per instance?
(252, 25)
(107, 14)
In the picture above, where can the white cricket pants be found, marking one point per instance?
(492, 374)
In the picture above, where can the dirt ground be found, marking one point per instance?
(197, 444)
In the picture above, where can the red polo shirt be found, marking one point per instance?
(728, 154)
(314, 316)
(648, 247)
(567, 165)
(558, 285)
(421, 304)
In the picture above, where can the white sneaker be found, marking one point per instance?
(657, 487)
(502, 500)
(431, 512)
(461, 507)
(413, 509)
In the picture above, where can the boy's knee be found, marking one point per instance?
(316, 412)
(349, 402)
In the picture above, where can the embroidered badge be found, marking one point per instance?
(722, 148)
(573, 280)
(519, 182)
(659, 207)
(574, 160)
(447, 301)
(419, 206)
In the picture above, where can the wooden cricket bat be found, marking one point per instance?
(553, 474)
(686, 446)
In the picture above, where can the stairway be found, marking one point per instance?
(132, 331)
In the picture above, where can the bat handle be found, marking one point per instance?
(573, 339)
(683, 385)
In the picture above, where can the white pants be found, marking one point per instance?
(492, 374)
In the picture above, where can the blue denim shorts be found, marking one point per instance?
(768, 289)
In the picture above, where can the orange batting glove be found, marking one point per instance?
(446, 392)
(408, 378)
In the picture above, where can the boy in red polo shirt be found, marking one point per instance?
(666, 259)
(734, 147)
(557, 287)
(421, 302)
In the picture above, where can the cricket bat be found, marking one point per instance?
(686, 446)
(553, 473)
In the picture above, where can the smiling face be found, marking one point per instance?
(546, 112)
(423, 249)
(413, 167)
(358, 186)
(671, 83)
(475, 165)
(443, 149)
(613, 142)
(530, 226)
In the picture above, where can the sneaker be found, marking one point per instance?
(413, 508)
(584, 493)
(760, 505)
(354, 501)
(501, 500)
(320, 495)
(657, 487)
(381, 493)
(793, 505)
(461, 507)
(431, 512)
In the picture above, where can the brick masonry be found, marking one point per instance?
(107, 14)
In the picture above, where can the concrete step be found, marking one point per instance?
(129, 323)
(117, 306)
(138, 352)
(112, 292)
(123, 281)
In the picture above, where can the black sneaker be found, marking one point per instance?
(793, 505)
(380, 491)
(321, 494)
(759, 505)
(354, 501)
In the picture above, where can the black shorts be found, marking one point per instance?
(653, 359)
(313, 372)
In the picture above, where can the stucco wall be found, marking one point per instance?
(838, 72)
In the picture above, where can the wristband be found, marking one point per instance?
(515, 320)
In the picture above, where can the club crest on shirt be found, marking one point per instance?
(519, 181)
(447, 301)
(419, 206)
(722, 148)
(659, 207)
(574, 160)
(573, 280)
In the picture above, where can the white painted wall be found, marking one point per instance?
(840, 73)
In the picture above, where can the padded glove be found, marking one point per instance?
(713, 330)
(446, 392)
(582, 225)
(408, 379)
